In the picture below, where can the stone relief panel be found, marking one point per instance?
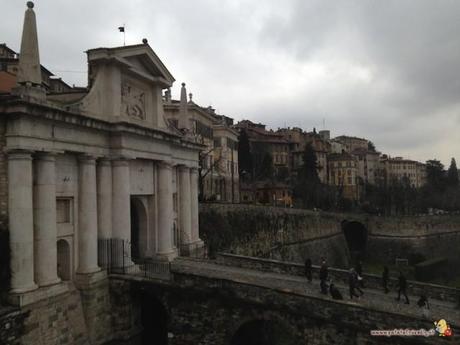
(132, 101)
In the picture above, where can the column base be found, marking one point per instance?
(25, 289)
(26, 298)
(88, 270)
(166, 256)
(50, 282)
(195, 249)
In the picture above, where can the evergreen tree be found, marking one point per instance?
(309, 169)
(452, 174)
(371, 146)
(435, 174)
(308, 186)
(266, 171)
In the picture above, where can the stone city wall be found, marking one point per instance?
(293, 234)
(11, 325)
(54, 320)
(95, 314)
(283, 233)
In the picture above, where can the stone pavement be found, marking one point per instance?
(372, 298)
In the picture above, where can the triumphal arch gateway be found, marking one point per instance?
(86, 164)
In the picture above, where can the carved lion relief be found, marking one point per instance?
(132, 101)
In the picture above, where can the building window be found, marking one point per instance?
(64, 210)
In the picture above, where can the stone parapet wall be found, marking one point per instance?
(443, 293)
(410, 226)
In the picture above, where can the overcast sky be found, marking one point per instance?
(388, 70)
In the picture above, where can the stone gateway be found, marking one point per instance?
(93, 163)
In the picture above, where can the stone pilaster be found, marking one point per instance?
(185, 215)
(87, 216)
(165, 211)
(104, 198)
(20, 215)
(45, 250)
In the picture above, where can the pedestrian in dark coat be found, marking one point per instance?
(385, 277)
(352, 283)
(402, 282)
(425, 306)
(308, 274)
(359, 272)
(323, 276)
(335, 293)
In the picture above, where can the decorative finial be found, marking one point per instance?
(145, 41)
(30, 4)
(183, 84)
(190, 95)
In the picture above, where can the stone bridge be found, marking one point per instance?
(231, 301)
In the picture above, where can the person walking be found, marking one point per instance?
(323, 276)
(352, 283)
(359, 272)
(425, 306)
(385, 277)
(308, 270)
(335, 293)
(402, 282)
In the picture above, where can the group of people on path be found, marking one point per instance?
(356, 283)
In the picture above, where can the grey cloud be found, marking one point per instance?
(386, 70)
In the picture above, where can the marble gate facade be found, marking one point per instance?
(78, 162)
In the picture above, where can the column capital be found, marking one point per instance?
(165, 164)
(183, 168)
(46, 156)
(120, 161)
(104, 162)
(17, 154)
(87, 159)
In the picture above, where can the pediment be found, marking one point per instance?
(138, 60)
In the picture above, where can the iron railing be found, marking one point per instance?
(114, 255)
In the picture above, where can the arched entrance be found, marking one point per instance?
(262, 332)
(356, 237)
(63, 260)
(154, 319)
(138, 228)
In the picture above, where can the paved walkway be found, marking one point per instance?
(372, 298)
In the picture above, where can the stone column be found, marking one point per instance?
(121, 211)
(194, 205)
(45, 244)
(87, 216)
(185, 220)
(20, 215)
(165, 211)
(104, 198)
